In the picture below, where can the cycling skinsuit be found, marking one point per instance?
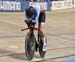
(38, 16)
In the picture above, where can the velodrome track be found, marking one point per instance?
(60, 32)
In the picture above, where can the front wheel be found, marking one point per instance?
(30, 45)
(41, 52)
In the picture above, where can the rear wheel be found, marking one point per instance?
(30, 45)
(41, 52)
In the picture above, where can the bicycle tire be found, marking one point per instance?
(29, 42)
(41, 52)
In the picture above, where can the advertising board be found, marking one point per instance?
(74, 3)
(24, 5)
(68, 4)
(10, 6)
(56, 5)
(41, 4)
(20, 6)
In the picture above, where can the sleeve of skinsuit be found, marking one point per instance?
(37, 10)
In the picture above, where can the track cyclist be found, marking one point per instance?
(36, 15)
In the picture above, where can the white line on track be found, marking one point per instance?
(68, 41)
(13, 46)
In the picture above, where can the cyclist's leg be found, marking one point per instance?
(42, 29)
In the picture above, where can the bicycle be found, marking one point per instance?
(31, 43)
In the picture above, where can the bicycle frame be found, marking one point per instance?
(39, 43)
(31, 28)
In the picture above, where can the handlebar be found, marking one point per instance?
(29, 28)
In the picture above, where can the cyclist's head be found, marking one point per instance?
(41, 9)
(30, 11)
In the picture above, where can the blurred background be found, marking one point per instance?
(33, 0)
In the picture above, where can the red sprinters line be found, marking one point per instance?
(10, 54)
(50, 49)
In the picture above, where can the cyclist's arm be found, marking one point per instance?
(37, 12)
(29, 18)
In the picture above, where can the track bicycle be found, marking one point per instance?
(31, 43)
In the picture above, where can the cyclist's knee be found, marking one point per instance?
(41, 33)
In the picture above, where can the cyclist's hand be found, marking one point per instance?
(28, 20)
